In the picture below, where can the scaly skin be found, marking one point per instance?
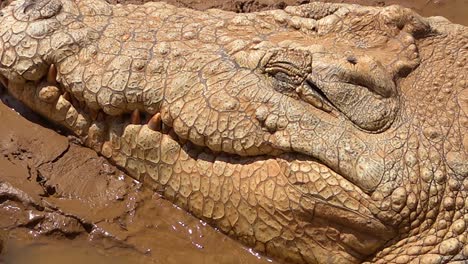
(320, 134)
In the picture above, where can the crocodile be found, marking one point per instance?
(321, 133)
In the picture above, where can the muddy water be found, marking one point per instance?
(61, 203)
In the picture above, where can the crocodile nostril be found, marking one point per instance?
(351, 59)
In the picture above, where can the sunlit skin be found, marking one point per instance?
(322, 133)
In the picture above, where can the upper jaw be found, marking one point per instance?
(307, 130)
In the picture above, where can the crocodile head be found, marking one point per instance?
(321, 133)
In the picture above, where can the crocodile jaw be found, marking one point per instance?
(264, 201)
(278, 201)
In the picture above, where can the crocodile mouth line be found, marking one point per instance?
(52, 93)
(49, 92)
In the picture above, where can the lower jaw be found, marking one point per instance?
(289, 204)
(266, 202)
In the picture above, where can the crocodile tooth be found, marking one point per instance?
(155, 122)
(135, 119)
(52, 74)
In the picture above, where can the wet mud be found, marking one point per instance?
(61, 203)
(454, 10)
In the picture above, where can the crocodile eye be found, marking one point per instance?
(31, 10)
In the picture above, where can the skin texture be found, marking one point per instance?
(323, 133)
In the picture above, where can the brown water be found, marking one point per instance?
(61, 203)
